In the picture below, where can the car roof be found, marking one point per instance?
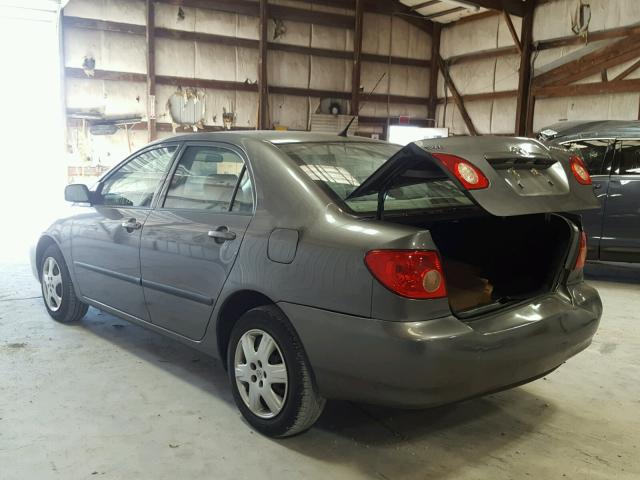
(589, 129)
(271, 136)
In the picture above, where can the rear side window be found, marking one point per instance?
(629, 158)
(135, 183)
(594, 153)
(340, 167)
(206, 179)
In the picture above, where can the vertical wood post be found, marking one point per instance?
(263, 83)
(357, 53)
(525, 102)
(151, 71)
(434, 68)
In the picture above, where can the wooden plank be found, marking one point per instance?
(586, 89)
(457, 97)
(592, 63)
(524, 73)
(593, 37)
(151, 69)
(482, 54)
(357, 60)
(444, 13)
(90, 24)
(474, 97)
(71, 72)
(263, 85)
(628, 71)
(512, 31)
(433, 73)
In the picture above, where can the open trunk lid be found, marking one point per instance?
(525, 176)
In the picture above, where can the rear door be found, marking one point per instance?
(621, 225)
(598, 156)
(524, 176)
(190, 241)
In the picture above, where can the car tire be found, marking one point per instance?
(271, 407)
(58, 293)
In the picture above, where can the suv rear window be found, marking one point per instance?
(340, 167)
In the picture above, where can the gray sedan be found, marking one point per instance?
(323, 267)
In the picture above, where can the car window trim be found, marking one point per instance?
(101, 181)
(246, 166)
(617, 158)
(609, 157)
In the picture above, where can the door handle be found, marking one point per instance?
(131, 224)
(222, 234)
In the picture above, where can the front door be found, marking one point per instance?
(105, 242)
(190, 242)
(598, 156)
(621, 227)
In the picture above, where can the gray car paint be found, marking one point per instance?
(363, 341)
(614, 229)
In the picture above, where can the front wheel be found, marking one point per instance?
(270, 375)
(57, 289)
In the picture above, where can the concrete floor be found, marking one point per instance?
(108, 399)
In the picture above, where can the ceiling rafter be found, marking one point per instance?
(514, 7)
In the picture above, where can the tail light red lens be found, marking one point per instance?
(582, 252)
(409, 273)
(580, 170)
(470, 176)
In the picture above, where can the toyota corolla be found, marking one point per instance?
(322, 267)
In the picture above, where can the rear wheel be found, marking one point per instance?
(58, 293)
(270, 375)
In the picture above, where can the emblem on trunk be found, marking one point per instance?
(518, 151)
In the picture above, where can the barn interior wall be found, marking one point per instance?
(203, 60)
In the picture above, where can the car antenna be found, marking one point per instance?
(343, 132)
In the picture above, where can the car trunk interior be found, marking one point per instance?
(496, 261)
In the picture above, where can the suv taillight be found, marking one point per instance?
(467, 174)
(582, 252)
(409, 273)
(580, 171)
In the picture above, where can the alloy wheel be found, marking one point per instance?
(52, 284)
(261, 373)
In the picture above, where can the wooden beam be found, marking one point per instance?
(628, 71)
(593, 37)
(433, 73)
(444, 13)
(482, 54)
(512, 31)
(281, 12)
(592, 63)
(586, 89)
(357, 60)
(524, 74)
(90, 24)
(399, 10)
(514, 7)
(474, 97)
(263, 89)
(473, 18)
(457, 97)
(71, 72)
(151, 69)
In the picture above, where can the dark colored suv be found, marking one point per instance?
(611, 150)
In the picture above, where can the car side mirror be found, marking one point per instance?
(77, 193)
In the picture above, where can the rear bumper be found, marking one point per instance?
(433, 362)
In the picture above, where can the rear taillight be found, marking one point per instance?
(410, 273)
(469, 175)
(582, 252)
(580, 170)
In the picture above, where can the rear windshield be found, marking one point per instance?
(340, 167)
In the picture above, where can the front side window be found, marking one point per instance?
(629, 158)
(594, 153)
(206, 179)
(135, 183)
(341, 167)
